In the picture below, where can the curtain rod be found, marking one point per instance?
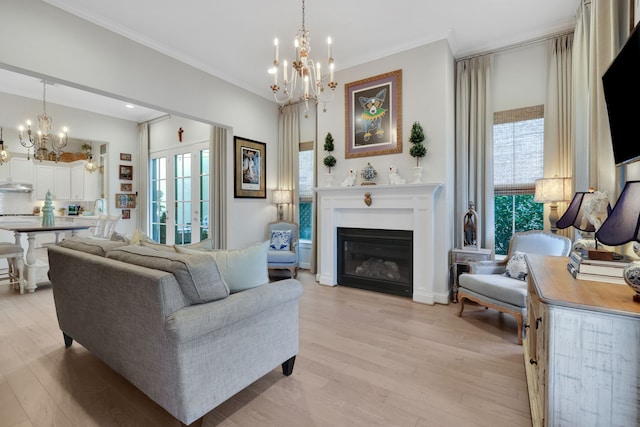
(516, 45)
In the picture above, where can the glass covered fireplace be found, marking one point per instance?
(377, 260)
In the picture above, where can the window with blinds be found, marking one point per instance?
(518, 142)
(518, 148)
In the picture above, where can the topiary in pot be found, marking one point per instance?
(417, 150)
(329, 161)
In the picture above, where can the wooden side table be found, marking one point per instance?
(459, 263)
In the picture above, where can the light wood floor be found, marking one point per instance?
(366, 359)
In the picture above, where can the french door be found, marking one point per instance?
(180, 205)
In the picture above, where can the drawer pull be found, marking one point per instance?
(526, 325)
(538, 321)
(533, 362)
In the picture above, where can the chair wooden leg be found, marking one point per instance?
(461, 305)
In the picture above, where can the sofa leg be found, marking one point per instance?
(287, 367)
(67, 340)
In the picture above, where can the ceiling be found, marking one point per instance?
(233, 40)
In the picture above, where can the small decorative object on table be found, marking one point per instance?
(394, 176)
(368, 175)
(350, 180)
(47, 211)
(471, 228)
(417, 150)
(329, 161)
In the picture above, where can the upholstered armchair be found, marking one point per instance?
(283, 246)
(502, 285)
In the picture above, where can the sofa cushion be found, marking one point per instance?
(90, 245)
(157, 246)
(206, 244)
(241, 269)
(282, 257)
(496, 286)
(198, 275)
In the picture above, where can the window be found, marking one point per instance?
(518, 144)
(305, 189)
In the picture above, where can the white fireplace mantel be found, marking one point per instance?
(393, 207)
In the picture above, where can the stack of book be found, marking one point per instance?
(582, 267)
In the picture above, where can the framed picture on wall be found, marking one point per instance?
(126, 214)
(373, 115)
(126, 172)
(126, 201)
(125, 157)
(126, 187)
(250, 167)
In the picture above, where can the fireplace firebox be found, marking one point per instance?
(377, 260)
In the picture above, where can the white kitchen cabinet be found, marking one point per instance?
(18, 169)
(56, 179)
(84, 185)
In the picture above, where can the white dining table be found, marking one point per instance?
(31, 230)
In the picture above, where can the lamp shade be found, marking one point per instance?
(282, 196)
(552, 190)
(576, 213)
(623, 222)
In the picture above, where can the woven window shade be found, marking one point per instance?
(518, 138)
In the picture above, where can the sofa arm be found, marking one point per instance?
(200, 319)
(487, 267)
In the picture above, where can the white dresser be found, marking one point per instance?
(582, 350)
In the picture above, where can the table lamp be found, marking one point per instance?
(552, 190)
(622, 226)
(577, 215)
(282, 197)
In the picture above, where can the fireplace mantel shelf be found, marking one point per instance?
(400, 207)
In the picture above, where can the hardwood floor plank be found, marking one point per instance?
(366, 359)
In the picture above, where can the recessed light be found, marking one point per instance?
(129, 106)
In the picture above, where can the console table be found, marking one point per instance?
(459, 263)
(582, 348)
(31, 261)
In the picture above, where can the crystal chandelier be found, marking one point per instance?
(306, 81)
(39, 141)
(5, 156)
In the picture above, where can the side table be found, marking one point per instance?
(459, 263)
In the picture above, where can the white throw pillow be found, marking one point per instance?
(241, 269)
(280, 240)
(517, 266)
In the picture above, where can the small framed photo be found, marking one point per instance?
(125, 201)
(373, 116)
(125, 156)
(250, 167)
(126, 172)
(126, 186)
(126, 214)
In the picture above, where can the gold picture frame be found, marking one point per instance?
(250, 167)
(373, 116)
(125, 201)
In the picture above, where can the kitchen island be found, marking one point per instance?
(32, 228)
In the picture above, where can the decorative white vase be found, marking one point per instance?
(328, 179)
(417, 174)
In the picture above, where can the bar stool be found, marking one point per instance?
(14, 254)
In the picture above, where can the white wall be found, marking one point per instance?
(83, 55)
(427, 97)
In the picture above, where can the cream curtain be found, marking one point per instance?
(602, 28)
(559, 115)
(218, 167)
(474, 146)
(288, 145)
(143, 173)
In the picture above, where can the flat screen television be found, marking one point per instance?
(621, 85)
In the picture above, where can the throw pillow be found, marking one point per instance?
(241, 269)
(139, 236)
(206, 244)
(117, 237)
(157, 246)
(199, 278)
(517, 266)
(280, 240)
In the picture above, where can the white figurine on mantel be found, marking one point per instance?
(394, 177)
(350, 180)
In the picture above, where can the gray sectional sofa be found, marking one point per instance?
(167, 323)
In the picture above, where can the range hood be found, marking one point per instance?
(15, 187)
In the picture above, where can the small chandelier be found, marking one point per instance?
(39, 141)
(5, 156)
(91, 165)
(306, 80)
